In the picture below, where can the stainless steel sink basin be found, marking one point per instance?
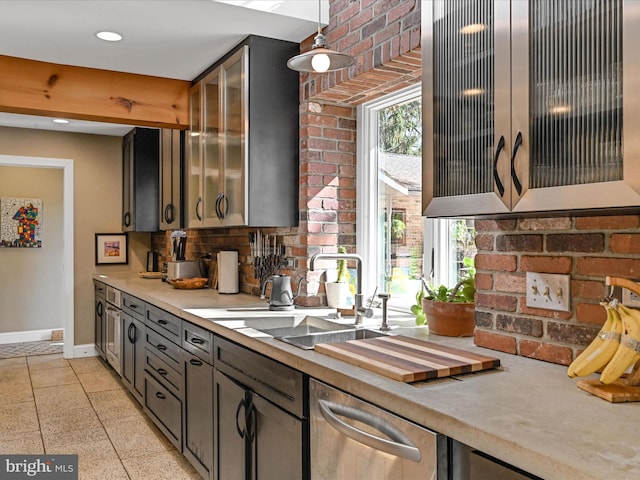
(307, 342)
(282, 326)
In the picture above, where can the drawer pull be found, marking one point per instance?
(162, 322)
(195, 363)
(161, 396)
(133, 305)
(161, 371)
(197, 340)
(162, 347)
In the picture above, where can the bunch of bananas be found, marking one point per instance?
(615, 348)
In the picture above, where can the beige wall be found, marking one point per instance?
(30, 286)
(97, 165)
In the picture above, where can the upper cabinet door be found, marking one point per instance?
(213, 164)
(171, 160)
(194, 160)
(233, 204)
(461, 172)
(525, 102)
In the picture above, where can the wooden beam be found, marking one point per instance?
(40, 88)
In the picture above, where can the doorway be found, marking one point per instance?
(67, 303)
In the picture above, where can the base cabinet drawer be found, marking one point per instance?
(164, 409)
(164, 349)
(164, 323)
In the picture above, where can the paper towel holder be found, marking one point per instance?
(228, 281)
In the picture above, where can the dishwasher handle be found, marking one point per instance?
(399, 445)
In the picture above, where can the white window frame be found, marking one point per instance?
(436, 232)
(367, 241)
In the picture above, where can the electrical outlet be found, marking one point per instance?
(291, 262)
(549, 291)
(630, 299)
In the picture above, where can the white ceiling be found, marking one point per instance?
(166, 38)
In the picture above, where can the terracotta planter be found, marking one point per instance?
(450, 319)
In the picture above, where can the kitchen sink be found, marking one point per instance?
(283, 326)
(309, 341)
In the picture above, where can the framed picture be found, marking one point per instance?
(111, 248)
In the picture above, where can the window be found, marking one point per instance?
(399, 246)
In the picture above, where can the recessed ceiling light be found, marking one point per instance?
(109, 36)
(60, 120)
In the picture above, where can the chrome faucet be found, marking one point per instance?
(361, 311)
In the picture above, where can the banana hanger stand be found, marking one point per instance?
(627, 387)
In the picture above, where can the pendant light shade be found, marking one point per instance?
(320, 58)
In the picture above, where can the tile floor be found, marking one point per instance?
(79, 406)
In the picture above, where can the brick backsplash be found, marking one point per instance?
(587, 248)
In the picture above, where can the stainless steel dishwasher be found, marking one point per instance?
(352, 439)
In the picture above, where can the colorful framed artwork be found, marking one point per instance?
(111, 248)
(20, 222)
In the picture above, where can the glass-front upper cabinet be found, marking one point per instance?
(218, 159)
(245, 135)
(523, 106)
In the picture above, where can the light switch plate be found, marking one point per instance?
(630, 299)
(549, 291)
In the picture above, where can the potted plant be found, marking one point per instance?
(448, 311)
(339, 293)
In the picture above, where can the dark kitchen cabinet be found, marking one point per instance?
(260, 417)
(244, 135)
(100, 319)
(171, 167)
(140, 180)
(198, 397)
(198, 414)
(513, 124)
(133, 355)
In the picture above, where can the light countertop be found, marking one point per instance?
(527, 413)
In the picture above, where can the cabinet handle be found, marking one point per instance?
(218, 210)
(399, 445)
(250, 422)
(161, 371)
(195, 363)
(126, 220)
(496, 177)
(240, 405)
(169, 213)
(514, 176)
(99, 309)
(133, 305)
(197, 340)
(160, 395)
(162, 347)
(223, 199)
(198, 203)
(131, 333)
(162, 321)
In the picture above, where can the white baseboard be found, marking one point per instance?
(87, 350)
(28, 336)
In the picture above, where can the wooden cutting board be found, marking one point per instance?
(407, 359)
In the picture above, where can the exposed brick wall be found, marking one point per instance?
(383, 36)
(587, 248)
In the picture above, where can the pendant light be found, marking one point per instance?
(320, 58)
